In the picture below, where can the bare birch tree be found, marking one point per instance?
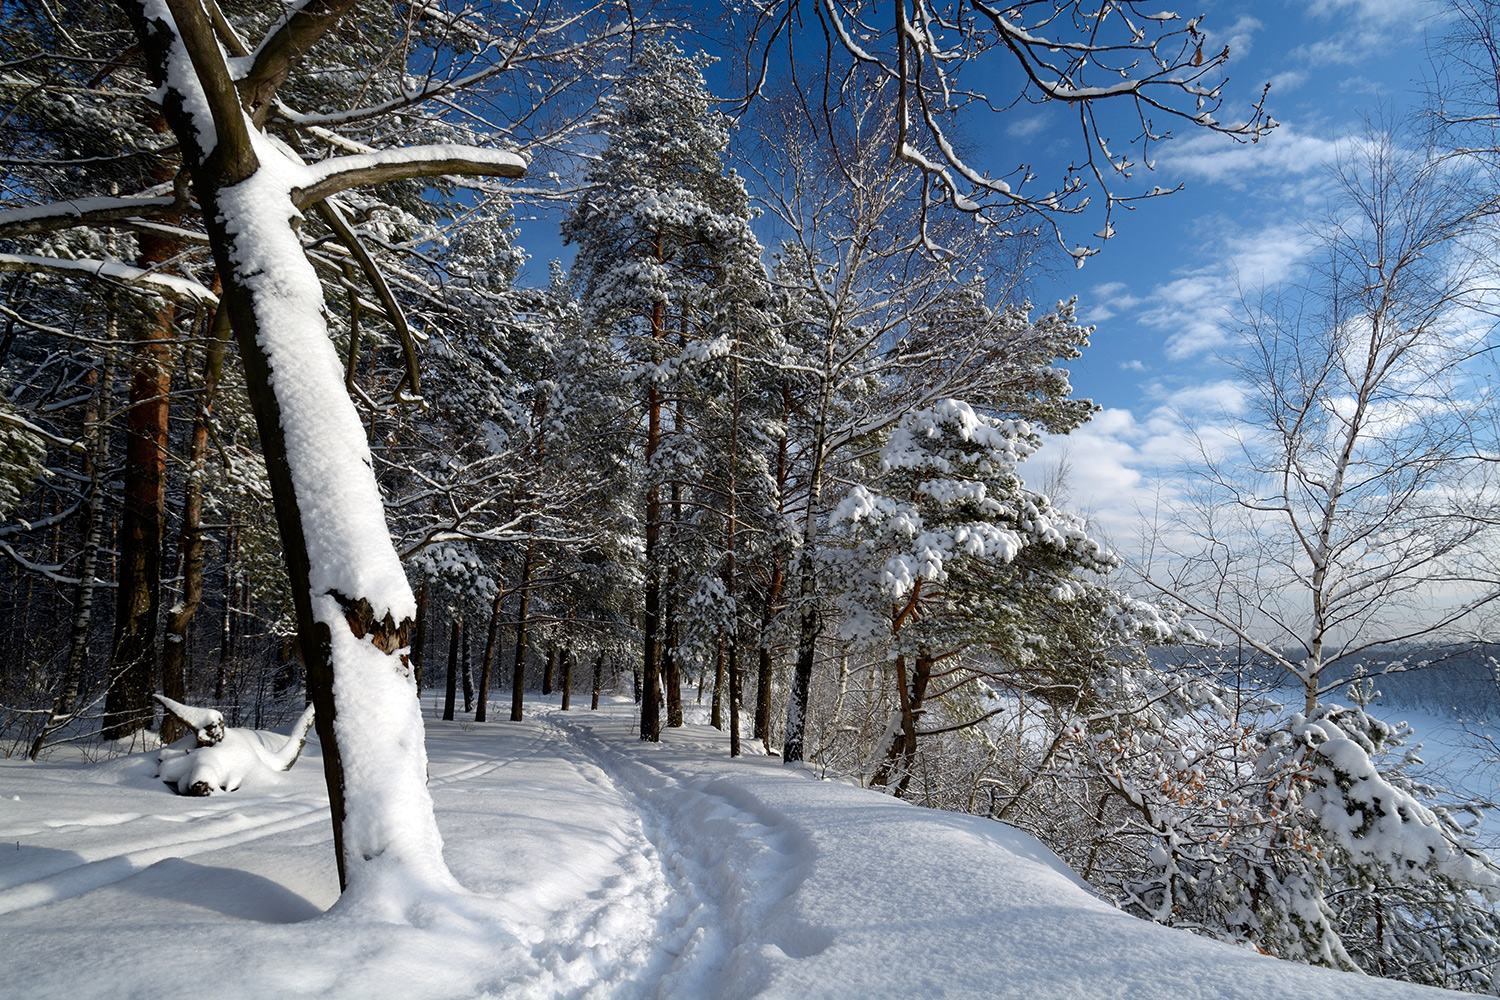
(1352, 510)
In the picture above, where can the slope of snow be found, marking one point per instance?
(599, 867)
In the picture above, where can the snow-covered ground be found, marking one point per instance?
(599, 866)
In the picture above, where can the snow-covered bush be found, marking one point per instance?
(1301, 836)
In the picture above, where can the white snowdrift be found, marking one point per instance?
(603, 867)
(230, 757)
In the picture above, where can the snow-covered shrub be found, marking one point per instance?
(1301, 836)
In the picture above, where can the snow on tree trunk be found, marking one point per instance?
(354, 606)
(351, 585)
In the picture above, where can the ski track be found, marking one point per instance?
(679, 898)
(726, 861)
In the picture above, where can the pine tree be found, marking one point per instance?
(664, 247)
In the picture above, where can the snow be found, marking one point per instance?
(238, 756)
(169, 285)
(207, 724)
(600, 866)
(326, 445)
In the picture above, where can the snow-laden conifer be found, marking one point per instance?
(665, 252)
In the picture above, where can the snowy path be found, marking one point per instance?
(602, 867)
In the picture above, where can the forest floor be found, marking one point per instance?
(599, 866)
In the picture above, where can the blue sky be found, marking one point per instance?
(1162, 290)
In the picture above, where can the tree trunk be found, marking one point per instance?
(491, 652)
(902, 754)
(762, 730)
(567, 679)
(671, 659)
(734, 700)
(809, 621)
(651, 623)
(128, 707)
(419, 639)
(467, 677)
(764, 668)
(598, 680)
(550, 669)
(716, 706)
(518, 672)
(452, 687)
(227, 627)
(96, 464)
(466, 668)
(191, 544)
(353, 604)
(732, 548)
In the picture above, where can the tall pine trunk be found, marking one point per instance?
(451, 693)
(191, 539)
(731, 548)
(650, 693)
(518, 671)
(128, 707)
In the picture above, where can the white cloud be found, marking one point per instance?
(1283, 83)
(1237, 36)
(1025, 128)
(1364, 28)
(1120, 466)
(1362, 85)
(1393, 13)
(1282, 155)
(1133, 365)
(1107, 300)
(1196, 310)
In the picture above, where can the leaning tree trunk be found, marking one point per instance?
(353, 604)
